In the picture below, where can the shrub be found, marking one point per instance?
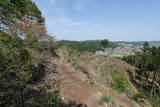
(120, 84)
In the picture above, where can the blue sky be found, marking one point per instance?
(115, 20)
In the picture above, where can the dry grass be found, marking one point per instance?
(99, 69)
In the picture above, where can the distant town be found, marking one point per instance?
(125, 48)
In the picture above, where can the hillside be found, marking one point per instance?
(100, 73)
(38, 71)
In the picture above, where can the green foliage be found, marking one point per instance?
(119, 82)
(104, 43)
(139, 97)
(49, 99)
(24, 47)
(82, 46)
(148, 63)
(155, 101)
(105, 99)
(18, 8)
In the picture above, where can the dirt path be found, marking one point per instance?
(76, 89)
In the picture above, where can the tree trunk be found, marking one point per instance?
(154, 79)
(21, 97)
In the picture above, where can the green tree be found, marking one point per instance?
(105, 43)
(148, 63)
(22, 35)
(155, 54)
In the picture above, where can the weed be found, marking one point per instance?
(105, 99)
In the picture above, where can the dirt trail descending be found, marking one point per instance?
(75, 88)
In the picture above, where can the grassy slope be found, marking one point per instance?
(103, 71)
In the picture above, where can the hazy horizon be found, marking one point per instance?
(116, 20)
(112, 40)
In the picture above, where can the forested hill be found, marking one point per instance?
(88, 45)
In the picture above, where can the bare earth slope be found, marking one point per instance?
(74, 88)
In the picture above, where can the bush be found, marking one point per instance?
(120, 84)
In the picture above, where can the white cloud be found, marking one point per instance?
(51, 2)
(61, 18)
(70, 22)
(80, 4)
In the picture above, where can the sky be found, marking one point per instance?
(116, 20)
